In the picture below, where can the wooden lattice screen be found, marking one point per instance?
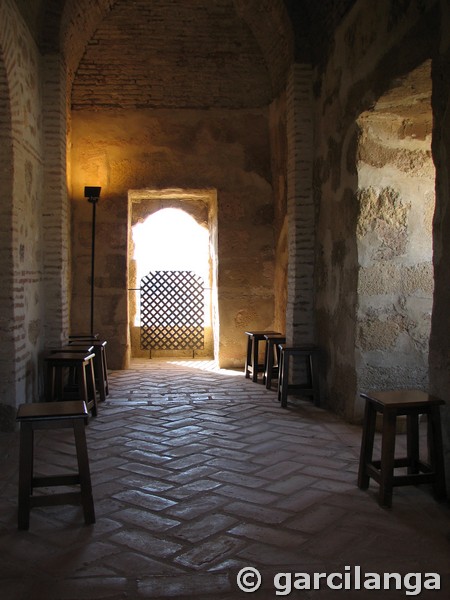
(172, 311)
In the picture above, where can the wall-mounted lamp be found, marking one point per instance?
(92, 193)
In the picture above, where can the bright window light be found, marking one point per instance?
(172, 240)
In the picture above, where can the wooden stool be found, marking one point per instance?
(252, 366)
(53, 415)
(391, 404)
(272, 352)
(78, 348)
(100, 363)
(310, 354)
(79, 363)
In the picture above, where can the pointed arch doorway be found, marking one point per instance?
(173, 242)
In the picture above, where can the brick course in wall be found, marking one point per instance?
(300, 299)
(7, 351)
(56, 207)
(21, 186)
(167, 54)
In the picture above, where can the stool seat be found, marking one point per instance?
(86, 348)
(391, 404)
(69, 409)
(310, 354)
(81, 365)
(52, 415)
(252, 365)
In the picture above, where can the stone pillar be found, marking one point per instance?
(56, 208)
(439, 355)
(300, 328)
(21, 191)
(7, 325)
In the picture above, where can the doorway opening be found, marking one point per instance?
(396, 177)
(173, 243)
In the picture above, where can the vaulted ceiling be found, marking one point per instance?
(173, 53)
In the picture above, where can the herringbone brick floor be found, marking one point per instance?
(198, 473)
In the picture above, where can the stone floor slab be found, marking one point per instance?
(197, 472)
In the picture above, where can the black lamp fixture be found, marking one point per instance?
(92, 193)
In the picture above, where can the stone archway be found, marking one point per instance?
(440, 331)
(345, 99)
(198, 217)
(396, 196)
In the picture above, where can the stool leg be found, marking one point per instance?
(59, 384)
(280, 375)
(25, 474)
(82, 384)
(100, 375)
(266, 351)
(435, 449)
(276, 354)
(84, 472)
(248, 358)
(284, 380)
(368, 437)
(255, 355)
(268, 375)
(85, 378)
(314, 366)
(105, 371)
(90, 386)
(412, 440)
(387, 458)
(50, 383)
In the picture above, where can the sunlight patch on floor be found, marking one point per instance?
(207, 365)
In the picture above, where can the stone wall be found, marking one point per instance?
(439, 357)
(396, 198)
(300, 321)
(374, 47)
(228, 151)
(278, 138)
(56, 206)
(21, 247)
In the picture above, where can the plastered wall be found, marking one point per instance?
(228, 151)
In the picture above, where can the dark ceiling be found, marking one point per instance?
(313, 22)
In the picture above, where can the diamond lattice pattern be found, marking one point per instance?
(172, 311)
